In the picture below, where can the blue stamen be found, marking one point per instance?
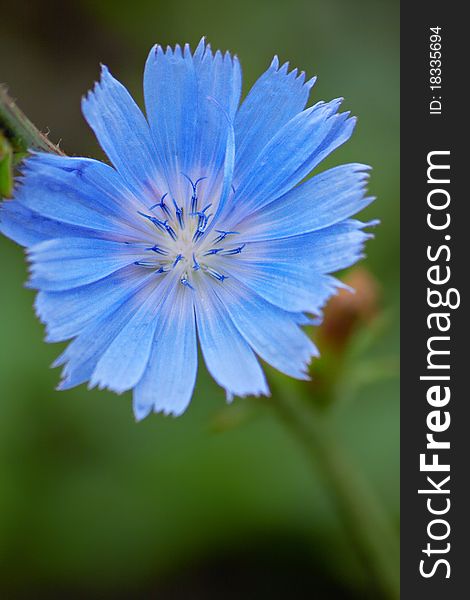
(177, 259)
(223, 235)
(201, 213)
(202, 222)
(169, 229)
(179, 214)
(162, 205)
(160, 224)
(213, 251)
(145, 263)
(198, 181)
(157, 250)
(216, 274)
(196, 265)
(163, 225)
(194, 186)
(184, 281)
(234, 250)
(198, 234)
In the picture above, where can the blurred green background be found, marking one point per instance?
(222, 502)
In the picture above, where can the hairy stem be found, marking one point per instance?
(363, 517)
(16, 126)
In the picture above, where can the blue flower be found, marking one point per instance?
(202, 229)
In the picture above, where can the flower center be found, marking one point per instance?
(186, 243)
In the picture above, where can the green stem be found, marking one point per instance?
(368, 525)
(16, 126)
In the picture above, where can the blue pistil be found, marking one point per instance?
(196, 265)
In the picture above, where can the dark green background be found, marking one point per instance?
(221, 502)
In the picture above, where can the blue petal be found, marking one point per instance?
(219, 88)
(125, 360)
(292, 287)
(290, 156)
(79, 192)
(67, 313)
(168, 382)
(82, 355)
(325, 251)
(275, 98)
(71, 262)
(187, 101)
(226, 190)
(27, 227)
(228, 357)
(273, 334)
(324, 200)
(124, 134)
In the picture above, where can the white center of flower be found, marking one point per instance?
(186, 242)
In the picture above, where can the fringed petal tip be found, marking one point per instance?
(202, 50)
(90, 95)
(230, 396)
(283, 70)
(142, 412)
